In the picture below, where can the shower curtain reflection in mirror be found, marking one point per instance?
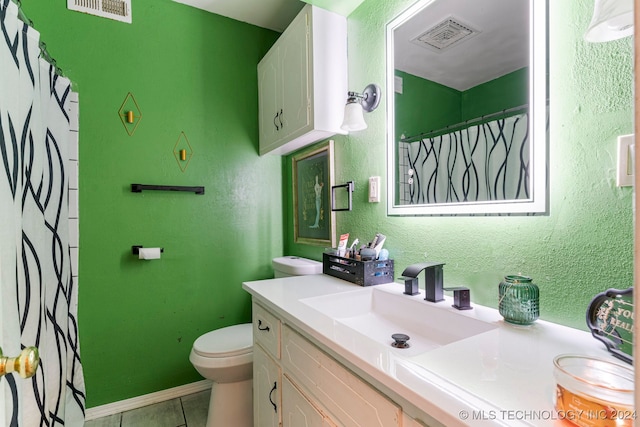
(478, 163)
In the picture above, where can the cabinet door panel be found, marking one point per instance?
(267, 397)
(297, 411)
(295, 62)
(332, 386)
(269, 99)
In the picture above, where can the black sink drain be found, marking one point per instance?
(400, 341)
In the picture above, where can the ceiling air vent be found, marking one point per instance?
(120, 10)
(445, 34)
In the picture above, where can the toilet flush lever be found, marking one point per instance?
(260, 328)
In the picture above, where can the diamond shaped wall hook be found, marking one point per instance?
(130, 114)
(182, 151)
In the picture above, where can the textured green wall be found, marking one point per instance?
(582, 247)
(508, 91)
(424, 105)
(189, 71)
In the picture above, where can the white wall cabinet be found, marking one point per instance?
(302, 82)
(305, 387)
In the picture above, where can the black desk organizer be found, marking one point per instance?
(363, 273)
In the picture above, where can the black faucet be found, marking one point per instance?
(433, 279)
(461, 297)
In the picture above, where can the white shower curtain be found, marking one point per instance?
(38, 298)
(484, 162)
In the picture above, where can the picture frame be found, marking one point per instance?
(313, 219)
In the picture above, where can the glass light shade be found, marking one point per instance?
(353, 117)
(612, 20)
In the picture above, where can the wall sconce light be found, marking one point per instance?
(612, 20)
(356, 103)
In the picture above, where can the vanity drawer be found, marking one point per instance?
(332, 385)
(266, 330)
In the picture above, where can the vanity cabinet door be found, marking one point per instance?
(407, 421)
(266, 330)
(297, 411)
(332, 387)
(267, 390)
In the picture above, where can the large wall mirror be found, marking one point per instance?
(467, 108)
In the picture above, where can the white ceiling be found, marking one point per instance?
(501, 47)
(272, 14)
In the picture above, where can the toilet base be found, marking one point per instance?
(231, 404)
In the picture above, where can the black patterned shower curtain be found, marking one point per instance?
(479, 163)
(38, 298)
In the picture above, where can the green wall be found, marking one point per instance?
(192, 72)
(425, 105)
(508, 91)
(584, 245)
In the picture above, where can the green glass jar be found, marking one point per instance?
(519, 300)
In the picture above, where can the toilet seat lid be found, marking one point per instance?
(226, 342)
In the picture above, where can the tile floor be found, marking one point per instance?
(186, 411)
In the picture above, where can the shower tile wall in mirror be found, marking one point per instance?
(467, 114)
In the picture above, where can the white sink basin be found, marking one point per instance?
(377, 314)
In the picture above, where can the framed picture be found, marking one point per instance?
(313, 220)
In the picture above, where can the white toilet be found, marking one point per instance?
(225, 356)
(295, 266)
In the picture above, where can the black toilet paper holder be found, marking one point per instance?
(135, 250)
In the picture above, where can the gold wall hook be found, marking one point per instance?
(25, 365)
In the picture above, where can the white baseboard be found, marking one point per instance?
(146, 399)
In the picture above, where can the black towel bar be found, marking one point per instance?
(137, 188)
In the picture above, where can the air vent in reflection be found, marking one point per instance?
(445, 34)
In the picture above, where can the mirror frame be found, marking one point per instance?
(538, 202)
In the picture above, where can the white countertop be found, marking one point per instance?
(500, 377)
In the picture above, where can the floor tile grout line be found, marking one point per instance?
(184, 415)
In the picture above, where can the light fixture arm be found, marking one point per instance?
(367, 101)
(369, 98)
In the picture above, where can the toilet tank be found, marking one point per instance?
(295, 266)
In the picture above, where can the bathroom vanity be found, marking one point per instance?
(323, 357)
